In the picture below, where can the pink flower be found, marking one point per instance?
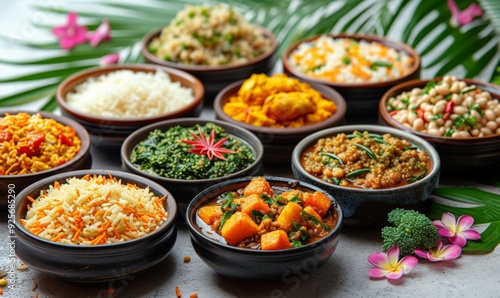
(389, 265)
(457, 232)
(70, 34)
(459, 18)
(440, 253)
(102, 33)
(110, 59)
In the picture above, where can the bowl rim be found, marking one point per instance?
(338, 99)
(408, 86)
(199, 69)
(203, 196)
(81, 132)
(310, 140)
(392, 43)
(133, 139)
(168, 224)
(80, 77)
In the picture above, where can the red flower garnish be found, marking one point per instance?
(205, 146)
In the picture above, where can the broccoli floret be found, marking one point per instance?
(410, 230)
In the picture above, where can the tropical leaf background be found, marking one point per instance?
(471, 51)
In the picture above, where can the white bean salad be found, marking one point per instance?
(448, 108)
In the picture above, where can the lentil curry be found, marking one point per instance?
(365, 160)
(265, 218)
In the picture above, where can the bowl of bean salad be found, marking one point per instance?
(369, 169)
(459, 117)
(360, 67)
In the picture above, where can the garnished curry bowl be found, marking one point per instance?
(38, 145)
(87, 236)
(369, 169)
(219, 47)
(285, 249)
(286, 106)
(114, 100)
(460, 118)
(187, 155)
(360, 67)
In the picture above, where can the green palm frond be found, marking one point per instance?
(469, 51)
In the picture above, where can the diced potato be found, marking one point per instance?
(313, 213)
(254, 202)
(318, 201)
(291, 193)
(258, 186)
(239, 227)
(289, 214)
(274, 240)
(209, 214)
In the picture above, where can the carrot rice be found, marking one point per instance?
(94, 210)
(30, 143)
(345, 60)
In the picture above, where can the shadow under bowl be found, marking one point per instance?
(185, 190)
(12, 184)
(215, 78)
(367, 207)
(458, 155)
(362, 98)
(258, 265)
(279, 142)
(110, 132)
(94, 263)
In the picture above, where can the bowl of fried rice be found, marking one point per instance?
(214, 43)
(360, 67)
(35, 145)
(94, 225)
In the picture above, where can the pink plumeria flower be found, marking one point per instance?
(102, 33)
(440, 252)
(389, 265)
(70, 34)
(456, 231)
(112, 58)
(460, 18)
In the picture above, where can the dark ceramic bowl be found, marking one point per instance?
(215, 78)
(111, 131)
(362, 99)
(259, 265)
(185, 190)
(13, 184)
(94, 263)
(279, 142)
(364, 207)
(458, 155)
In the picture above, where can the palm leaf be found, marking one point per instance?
(422, 24)
(483, 206)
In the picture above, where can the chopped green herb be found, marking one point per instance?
(416, 178)
(357, 173)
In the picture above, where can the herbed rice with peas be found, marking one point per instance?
(209, 35)
(93, 210)
(31, 143)
(347, 61)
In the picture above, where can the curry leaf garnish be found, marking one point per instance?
(307, 216)
(295, 199)
(331, 155)
(416, 178)
(225, 216)
(357, 173)
(368, 151)
(257, 216)
(410, 148)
